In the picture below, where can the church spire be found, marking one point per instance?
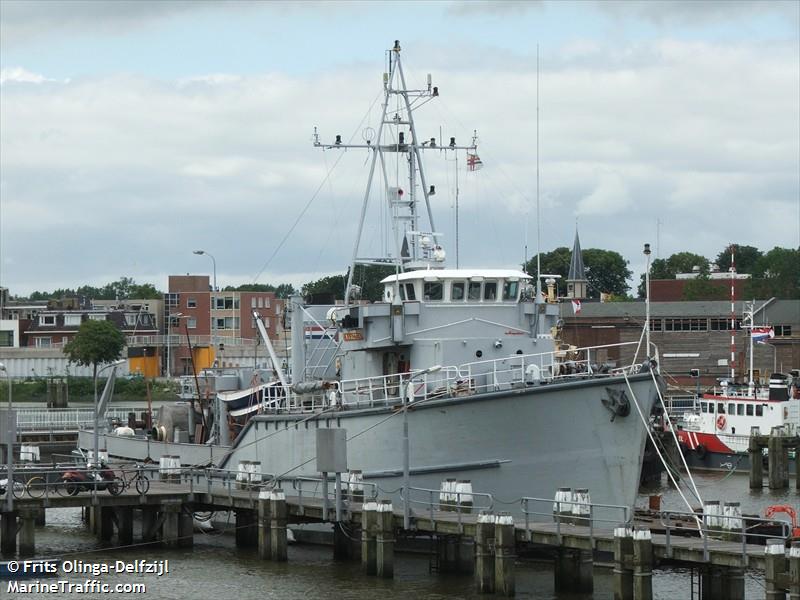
(576, 280)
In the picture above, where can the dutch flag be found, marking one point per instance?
(762, 334)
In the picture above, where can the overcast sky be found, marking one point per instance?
(133, 132)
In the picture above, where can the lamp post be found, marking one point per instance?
(647, 299)
(408, 398)
(9, 447)
(95, 456)
(213, 263)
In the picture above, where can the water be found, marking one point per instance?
(216, 570)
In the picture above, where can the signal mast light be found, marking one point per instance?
(338, 140)
(452, 142)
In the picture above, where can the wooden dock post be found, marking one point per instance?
(775, 569)
(27, 531)
(125, 525)
(186, 529)
(8, 533)
(733, 584)
(384, 540)
(105, 523)
(369, 523)
(794, 567)
(484, 553)
(642, 565)
(279, 515)
(264, 525)
(150, 521)
(169, 529)
(246, 528)
(504, 555)
(623, 558)
(778, 460)
(756, 462)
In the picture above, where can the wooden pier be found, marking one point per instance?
(484, 544)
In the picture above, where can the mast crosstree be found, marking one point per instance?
(417, 244)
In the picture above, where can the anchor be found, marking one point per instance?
(617, 402)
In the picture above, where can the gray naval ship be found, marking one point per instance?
(453, 374)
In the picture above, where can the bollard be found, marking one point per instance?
(774, 569)
(279, 514)
(562, 507)
(264, 525)
(384, 540)
(642, 565)
(447, 496)
(369, 523)
(732, 521)
(464, 495)
(756, 463)
(242, 474)
(623, 553)
(504, 555)
(484, 556)
(581, 509)
(355, 486)
(711, 515)
(794, 567)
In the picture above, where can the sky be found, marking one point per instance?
(134, 132)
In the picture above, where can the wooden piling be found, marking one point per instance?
(278, 513)
(642, 565)
(125, 525)
(623, 557)
(778, 458)
(484, 553)
(774, 569)
(504, 555)
(105, 523)
(264, 525)
(169, 529)
(27, 532)
(149, 524)
(794, 566)
(369, 518)
(186, 530)
(384, 540)
(733, 584)
(8, 533)
(756, 464)
(246, 533)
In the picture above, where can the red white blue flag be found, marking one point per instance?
(576, 306)
(762, 334)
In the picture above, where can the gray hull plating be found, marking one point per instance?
(517, 443)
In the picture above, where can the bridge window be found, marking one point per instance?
(433, 290)
(740, 409)
(720, 408)
(490, 290)
(704, 407)
(510, 290)
(457, 291)
(749, 410)
(731, 408)
(410, 294)
(759, 410)
(474, 292)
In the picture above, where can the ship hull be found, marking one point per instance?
(512, 444)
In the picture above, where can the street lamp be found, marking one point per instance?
(9, 447)
(213, 262)
(95, 457)
(408, 398)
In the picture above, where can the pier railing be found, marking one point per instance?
(568, 517)
(66, 419)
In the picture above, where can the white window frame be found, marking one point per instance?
(72, 320)
(47, 320)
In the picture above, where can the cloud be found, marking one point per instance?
(20, 75)
(125, 175)
(700, 12)
(492, 7)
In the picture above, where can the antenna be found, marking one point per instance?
(538, 219)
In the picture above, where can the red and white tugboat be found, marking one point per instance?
(716, 435)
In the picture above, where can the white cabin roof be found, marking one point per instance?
(457, 274)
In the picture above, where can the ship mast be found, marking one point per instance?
(414, 247)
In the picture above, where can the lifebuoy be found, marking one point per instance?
(721, 422)
(701, 451)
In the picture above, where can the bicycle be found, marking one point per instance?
(34, 487)
(139, 480)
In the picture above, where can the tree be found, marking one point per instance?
(284, 290)
(680, 262)
(607, 272)
(333, 285)
(96, 342)
(780, 269)
(748, 260)
(367, 277)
